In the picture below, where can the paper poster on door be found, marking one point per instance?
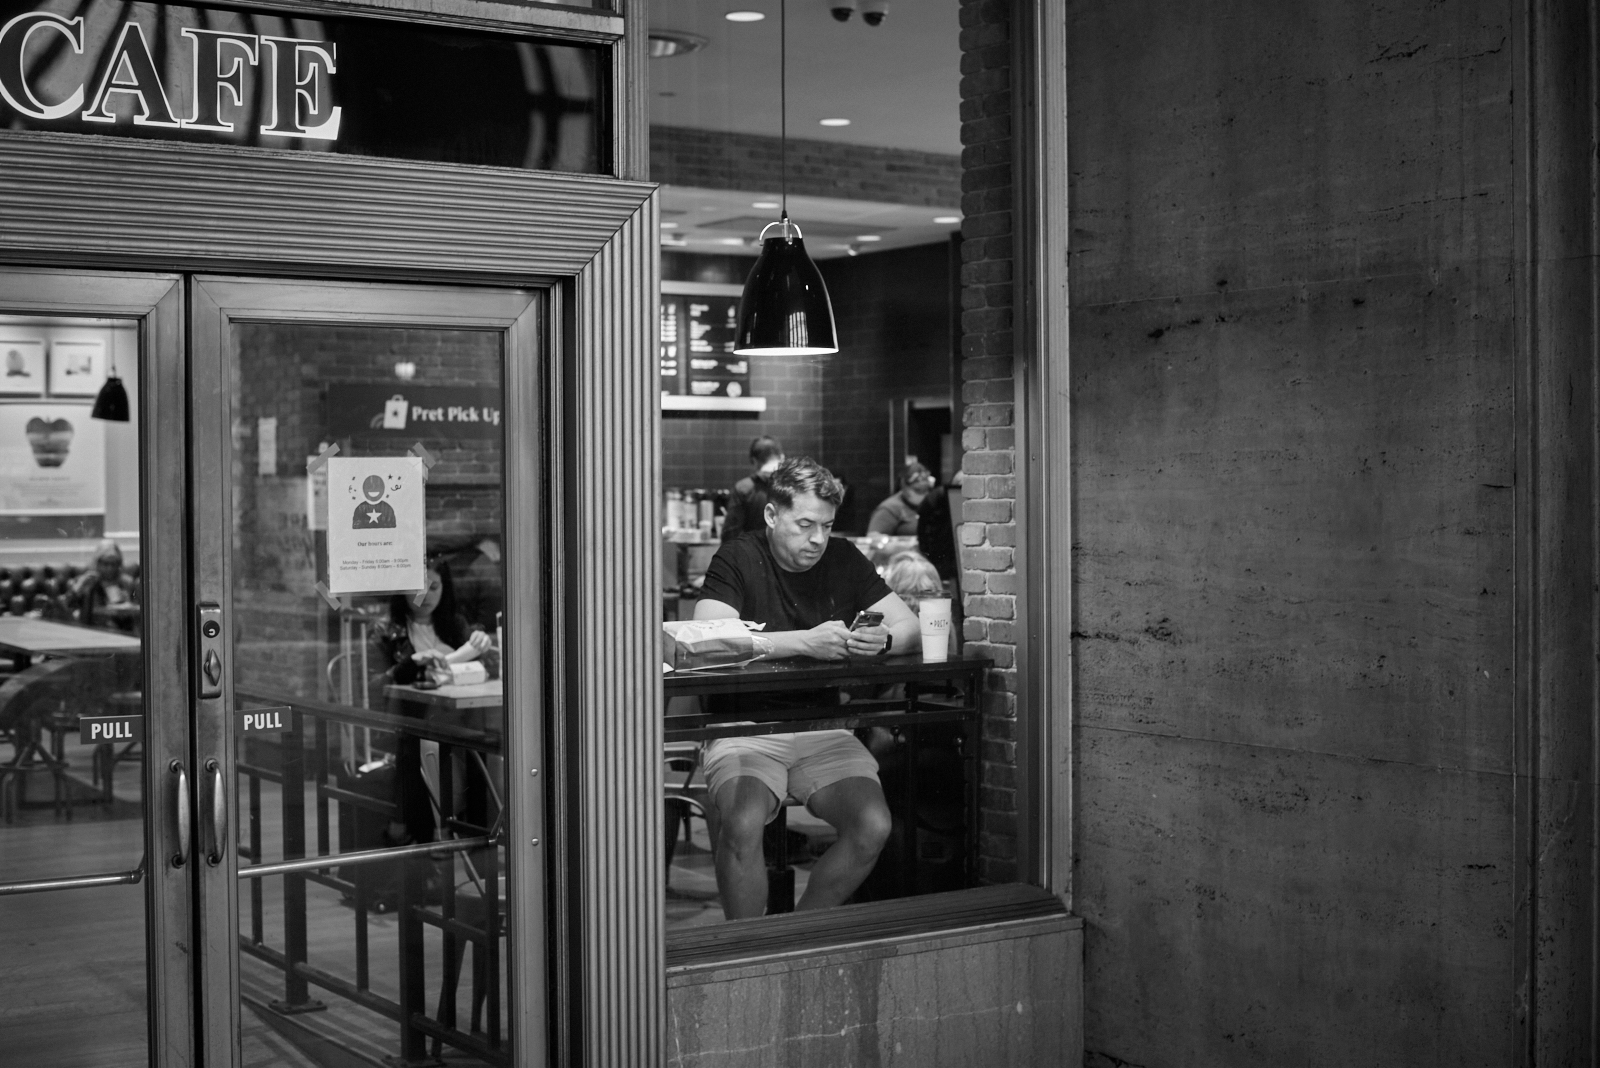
(377, 529)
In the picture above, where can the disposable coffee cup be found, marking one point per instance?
(934, 617)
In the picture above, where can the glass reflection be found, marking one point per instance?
(372, 716)
(72, 801)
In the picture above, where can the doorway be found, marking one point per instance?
(308, 661)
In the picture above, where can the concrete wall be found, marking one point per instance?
(1334, 462)
(1006, 995)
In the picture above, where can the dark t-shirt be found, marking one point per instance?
(744, 576)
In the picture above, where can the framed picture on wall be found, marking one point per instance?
(21, 367)
(77, 367)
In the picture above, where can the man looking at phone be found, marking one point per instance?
(807, 587)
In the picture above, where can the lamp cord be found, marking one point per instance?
(783, 109)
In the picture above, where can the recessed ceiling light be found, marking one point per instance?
(730, 240)
(947, 218)
(868, 237)
(835, 122)
(766, 205)
(669, 226)
(744, 16)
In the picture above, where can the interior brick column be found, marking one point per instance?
(989, 486)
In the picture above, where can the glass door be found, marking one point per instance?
(365, 605)
(95, 768)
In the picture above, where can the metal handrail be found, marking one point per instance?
(76, 882)
(365, 856)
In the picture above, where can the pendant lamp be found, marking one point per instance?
(111, 403)
(784, 309)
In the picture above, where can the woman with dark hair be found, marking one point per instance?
(432, 633)
(417, 645)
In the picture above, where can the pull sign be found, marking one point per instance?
(93, 730)
(257, 720)
(208, 664)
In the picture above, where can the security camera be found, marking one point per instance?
(873, 12)
(842, 9)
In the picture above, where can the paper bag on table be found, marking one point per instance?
(696, 643)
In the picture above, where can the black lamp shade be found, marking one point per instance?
(784, 310)
(112, 402)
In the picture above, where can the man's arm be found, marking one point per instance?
(829, 641)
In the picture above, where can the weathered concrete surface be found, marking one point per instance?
(1323, 816)
(964, 1000)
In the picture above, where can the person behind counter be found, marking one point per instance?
(748, 501)
(107, 597)
(420, 637)
(807, 587)
(897, 514)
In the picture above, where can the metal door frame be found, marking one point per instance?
(219, 302)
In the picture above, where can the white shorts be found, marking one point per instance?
(789, 765)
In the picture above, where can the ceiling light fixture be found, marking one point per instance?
(669, 226)
(784, 309)
(111, 404)
(834, 122)
(946, 220)
(766, 205)
(744, 16)
(868, 237)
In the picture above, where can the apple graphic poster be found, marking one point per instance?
(52, 460)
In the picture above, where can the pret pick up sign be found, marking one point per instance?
(295, 78)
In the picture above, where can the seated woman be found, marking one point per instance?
(429, 635)
(417, 644)
(107, 597)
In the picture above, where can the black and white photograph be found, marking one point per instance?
(788, 533)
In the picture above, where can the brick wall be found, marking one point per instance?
(989, 486)
(712, 159)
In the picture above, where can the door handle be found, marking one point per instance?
(217, 838)
(180, 812)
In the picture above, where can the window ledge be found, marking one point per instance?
(990, 911)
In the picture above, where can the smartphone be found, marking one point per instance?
(866, 618)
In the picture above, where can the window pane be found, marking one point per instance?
(367, 87)
(71, 696)
(367, 609)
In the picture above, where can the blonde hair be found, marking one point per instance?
(912, 576)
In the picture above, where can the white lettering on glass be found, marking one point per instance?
(132, 72)
(302, 73)
(14, 85)
(219, 61)
(296, 83)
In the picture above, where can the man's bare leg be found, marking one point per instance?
(857, 810)
(736, 819)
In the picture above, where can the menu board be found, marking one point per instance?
(696, 350)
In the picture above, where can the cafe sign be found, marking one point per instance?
(302, 82)
(295, 78)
